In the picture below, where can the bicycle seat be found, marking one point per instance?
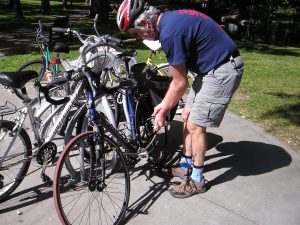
(153, 45)
(127, 54)
(59, 47)
(61, 21)
(17, 79)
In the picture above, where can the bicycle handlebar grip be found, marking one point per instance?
(115, 40)
(60, 30)
(129, 40)
(96, 18)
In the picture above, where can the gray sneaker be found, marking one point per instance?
(187, 189)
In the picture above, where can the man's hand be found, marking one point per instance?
(176, 89)
(160, 117)
(185, 113)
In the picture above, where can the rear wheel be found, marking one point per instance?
(153, 142)
(164, 70)
(95, 192)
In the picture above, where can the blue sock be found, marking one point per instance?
(185, 162)
(197, 173)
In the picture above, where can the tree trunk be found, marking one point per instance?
(100, 7)
(65, 4)
(45, 6)
(18, 8)
(103, 7)
(269, 11)
(11, 4)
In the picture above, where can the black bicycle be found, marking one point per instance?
(91, 181)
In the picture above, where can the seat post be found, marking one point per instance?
(25, 95)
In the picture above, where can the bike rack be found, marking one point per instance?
(7, 109)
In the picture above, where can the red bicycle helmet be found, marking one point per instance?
(128, 12)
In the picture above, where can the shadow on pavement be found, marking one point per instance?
(26, 197)
(147, 199)
(154, 191)
(246, 158)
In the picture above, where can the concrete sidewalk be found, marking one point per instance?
(253, 179)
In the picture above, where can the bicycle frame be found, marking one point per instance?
(33, 115)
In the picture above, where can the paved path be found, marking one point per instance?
(253, 178)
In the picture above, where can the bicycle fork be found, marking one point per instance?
(96, 152)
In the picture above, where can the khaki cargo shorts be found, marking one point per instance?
(209, 95)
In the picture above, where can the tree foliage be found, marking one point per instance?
(260, 20)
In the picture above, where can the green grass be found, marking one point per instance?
(269, 94)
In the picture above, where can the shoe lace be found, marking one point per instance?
(187, 186)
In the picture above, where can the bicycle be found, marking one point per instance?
(46, 66)
(51, 68)
(96, 184)
(103, 58)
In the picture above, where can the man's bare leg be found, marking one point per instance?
(199, 148)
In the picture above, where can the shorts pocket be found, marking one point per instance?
(217, 109)
(223, 74)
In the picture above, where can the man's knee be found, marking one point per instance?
(194, 128)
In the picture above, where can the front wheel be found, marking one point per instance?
(14, 164)
(94, 192)
(164, 70)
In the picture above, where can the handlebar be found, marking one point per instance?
(97, 88)
(45, 90)
(102, 39)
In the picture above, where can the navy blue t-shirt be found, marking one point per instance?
(192, 38)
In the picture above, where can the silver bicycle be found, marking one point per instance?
(16, 148)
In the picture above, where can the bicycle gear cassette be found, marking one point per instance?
(48, 150)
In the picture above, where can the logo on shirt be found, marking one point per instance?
(196, 13)
(192, 13)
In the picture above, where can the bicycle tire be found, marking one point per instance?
(164, 70)
(156, 149)
(13, 175)
(36, 65)
(89, 201)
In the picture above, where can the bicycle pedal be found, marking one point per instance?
(143, 156)
(46, 180)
